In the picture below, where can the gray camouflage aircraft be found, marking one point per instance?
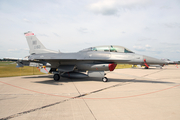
(90, 62)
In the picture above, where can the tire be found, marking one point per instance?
(56, 77)
(146, 67)
(105, 79)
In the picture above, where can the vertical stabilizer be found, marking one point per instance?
(35, 46)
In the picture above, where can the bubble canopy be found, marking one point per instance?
(110, 48)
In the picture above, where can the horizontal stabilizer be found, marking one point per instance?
(19, 65)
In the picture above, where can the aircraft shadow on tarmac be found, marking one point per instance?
(40, 76)
(66, 80)
(152, 68)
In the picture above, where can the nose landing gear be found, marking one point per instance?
(105, 79)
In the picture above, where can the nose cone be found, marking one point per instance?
(172, 62)
(151, 60)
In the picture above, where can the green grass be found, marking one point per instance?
(9, 69)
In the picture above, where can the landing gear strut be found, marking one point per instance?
(105, 79)
(56, 77)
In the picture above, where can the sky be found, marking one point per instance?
(147, 27)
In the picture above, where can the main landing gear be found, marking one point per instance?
(56, 77)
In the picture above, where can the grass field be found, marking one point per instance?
(9, 69)
(121, 66)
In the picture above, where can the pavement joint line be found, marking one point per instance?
(49, 105)
(8, 98)
(153, 73)
(120, 84)
(136, 77)
(32, 110)
(84, 100)
(60, 95)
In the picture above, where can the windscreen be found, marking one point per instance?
(111, 48)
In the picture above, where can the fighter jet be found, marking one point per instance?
(90, 62)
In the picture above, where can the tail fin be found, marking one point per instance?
(35, 45)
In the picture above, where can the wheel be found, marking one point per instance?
(104, 79)
(146, 67)
(56, 77)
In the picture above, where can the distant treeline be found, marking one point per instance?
(4, 60)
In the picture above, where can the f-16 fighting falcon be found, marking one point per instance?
(90, 62)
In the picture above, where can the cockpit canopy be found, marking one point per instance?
(110, 48)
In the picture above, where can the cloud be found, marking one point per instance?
(139, 48)
(42, 22)
(178, 51)
(83, 30)
(143, 48)
(140, 23)
(57, 35)
(18, 50)
(165, 7)
(170, 44)
(112, 7)
(146, 39)
(147, 46)
(44, 35)
(26, 20)
(172, 25)
(12, 50)
(26, 49)
(104, 7)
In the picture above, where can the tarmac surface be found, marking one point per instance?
(130, 94)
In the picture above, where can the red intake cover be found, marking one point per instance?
(112, 66)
